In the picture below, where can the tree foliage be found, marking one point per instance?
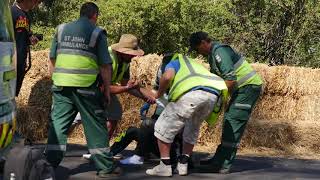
(272, 31)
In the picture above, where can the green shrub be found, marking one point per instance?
(164, 26)
(265, 31)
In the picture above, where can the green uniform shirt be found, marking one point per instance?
(101, 46)
(222, 61)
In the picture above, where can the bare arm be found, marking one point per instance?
(137, 93)
(106, 74)
(118, 89)
(231, 85)
(123, 87)
(165, 80)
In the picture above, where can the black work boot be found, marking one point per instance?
(211, 168)
(207, 162)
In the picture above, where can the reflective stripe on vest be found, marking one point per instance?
(244, 72)
(75, 67)
(192, 74)
(238, 63)
(115, 65)
(59, 34)
(7, 72)
(77, 52)
(92, 43)
(242, 80)
(76, 71)
(70, 73)
(198, 76)
(94, 36)
(6, 53)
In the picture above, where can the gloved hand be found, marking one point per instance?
(144, 110)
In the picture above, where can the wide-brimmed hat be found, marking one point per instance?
(128, 44)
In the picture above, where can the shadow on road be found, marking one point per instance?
(75, 167)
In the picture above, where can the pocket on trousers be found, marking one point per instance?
(161, 126)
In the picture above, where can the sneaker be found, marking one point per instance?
(182, 169)
(116, 172)
(86, 156)
(133, 160)
(160, 170)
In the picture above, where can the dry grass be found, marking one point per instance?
(34, 101)
(290, 81)
(145, 68)
(284, 122)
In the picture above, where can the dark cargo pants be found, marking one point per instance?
(235, 120)
(67, 102)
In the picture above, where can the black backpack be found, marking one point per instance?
(27, 163)
(41, 170)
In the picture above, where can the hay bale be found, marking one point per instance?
(289, 81)
(277, 108)
(34, 101)
(145, 68)
(131, 111)
(285, 118)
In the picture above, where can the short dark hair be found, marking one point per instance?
(196, 38)
(89, 9)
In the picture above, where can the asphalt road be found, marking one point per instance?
(74, 167)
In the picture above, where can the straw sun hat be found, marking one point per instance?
(128, 44)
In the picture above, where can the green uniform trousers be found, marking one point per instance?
(235, 120)
(67, 102)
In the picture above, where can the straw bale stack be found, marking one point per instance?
(34, 101)
(285, 118)
(145, 68)
(290, 81)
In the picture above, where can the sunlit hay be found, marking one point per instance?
(285, 118)
(289, 81)
(34, 101)
(144, 69)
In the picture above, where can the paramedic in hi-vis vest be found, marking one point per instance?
(193, 96)
(78, 54)
(244, 86)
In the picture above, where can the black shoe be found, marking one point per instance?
(210, 161)
(190, 164)
(116, 172)
(214, 169)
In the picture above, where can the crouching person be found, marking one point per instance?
(78, 54)
(194, 95)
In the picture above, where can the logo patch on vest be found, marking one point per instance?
(218, 58)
